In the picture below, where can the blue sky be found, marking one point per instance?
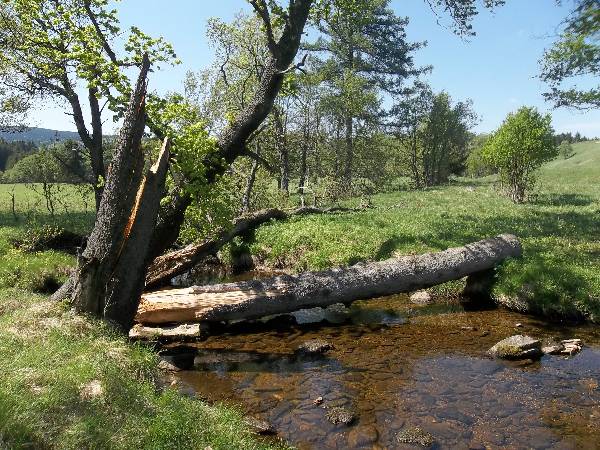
(497, 68)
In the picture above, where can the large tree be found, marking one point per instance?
(433, 133)
(365, 48)
(65, 49)
(407, 117)
(111, 270)
(232, 140)
(445, 138)
(575, 57)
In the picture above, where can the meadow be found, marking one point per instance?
(49, 357)
(70, 382)
(559, 227)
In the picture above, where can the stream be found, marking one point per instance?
(396, 365)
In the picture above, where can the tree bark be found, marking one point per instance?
(349, 151)
(96, 147)
(306, 139)
(281, 144)
(283, 294)
(111, 270)
(249, 186)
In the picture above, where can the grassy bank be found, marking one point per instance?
(559, 228)
(38, 271)
(72, 383)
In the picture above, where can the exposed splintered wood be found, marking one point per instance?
(281, 294)
(110, 273)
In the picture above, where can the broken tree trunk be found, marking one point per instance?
(282, 294)
(177, 262)
(111, 270)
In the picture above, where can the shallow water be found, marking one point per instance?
(398, 365)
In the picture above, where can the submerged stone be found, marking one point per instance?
(315, 347)
(421, 298)
(364, 436)
(517, 347)
(415, 436)
(339, 415)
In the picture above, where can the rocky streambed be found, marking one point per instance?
(392, 374)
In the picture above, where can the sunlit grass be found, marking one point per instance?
(47, 358)
(559, 228)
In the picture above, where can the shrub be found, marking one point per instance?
(518, 148)
(565, 149)
(47, 237)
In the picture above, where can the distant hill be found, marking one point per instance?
(39, 135)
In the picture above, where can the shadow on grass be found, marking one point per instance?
(387, 248)
(80, 221)
(465, 228)
(563, 200)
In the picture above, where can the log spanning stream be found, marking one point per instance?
(397, 365)
(284, 294)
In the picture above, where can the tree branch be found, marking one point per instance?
(256, 157)
(109, 51)
(261, 8)
(298, 66)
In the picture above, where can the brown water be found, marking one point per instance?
(397, 365)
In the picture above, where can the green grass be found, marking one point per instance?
(560, 230)
(48, 356)
(37, 272)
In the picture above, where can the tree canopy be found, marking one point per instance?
(573, 62)
(52, 49)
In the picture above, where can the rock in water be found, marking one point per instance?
(415, 436)
(571, 346)
(517, 347)
(339, 415)
(421, 298)
(315, 347)
(259, 426)
(552, 347)
(167, 366)
(361, 437)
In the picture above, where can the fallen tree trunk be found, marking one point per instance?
(177, 262)
(282, 294)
